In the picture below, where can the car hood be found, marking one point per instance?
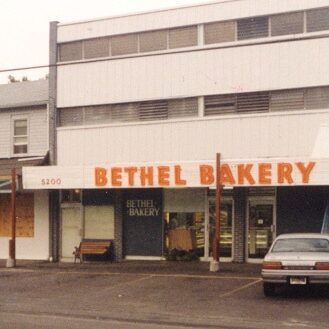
(298, 256)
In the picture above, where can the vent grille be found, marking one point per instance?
(291, 23)
(181, 108)
(124, 112)
(253, 102)
(97, 114)
(317, 98)
(219, 104)
(250, 28)
(124, 44)
(317, 20)
(261, 191)
(152, 41)
(219, 32)
(155, 110)
(70, 51)
(183, 37)
(287, 100)
(71, 117)
(96, 48)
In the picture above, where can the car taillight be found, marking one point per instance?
(322, 266)
(272, 266)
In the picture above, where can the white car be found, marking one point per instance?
(296, 259)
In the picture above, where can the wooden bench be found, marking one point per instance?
(91, 248)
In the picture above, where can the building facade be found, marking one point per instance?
(141, 105)
(24, 142)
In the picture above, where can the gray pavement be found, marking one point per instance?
(135, 294)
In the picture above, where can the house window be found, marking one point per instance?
(20, 136)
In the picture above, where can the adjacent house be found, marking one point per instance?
(24, 142)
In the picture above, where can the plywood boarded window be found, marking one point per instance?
(250, 28)
(94, 48)
(99, 222)
(70, 51)
(317, 19)
(124, 44)
(24, 215)
(183, 37)
(291, 23)
(153, 41)
(219, 32)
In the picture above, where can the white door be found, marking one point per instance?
(71, 230)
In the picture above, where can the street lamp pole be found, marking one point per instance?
(11, 261)
(214, 265)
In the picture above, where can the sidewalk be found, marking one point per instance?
(143, 267)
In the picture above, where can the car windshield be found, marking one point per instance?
(301, 245)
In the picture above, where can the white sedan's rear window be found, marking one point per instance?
(301, 245)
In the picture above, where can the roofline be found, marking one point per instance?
(147, 12)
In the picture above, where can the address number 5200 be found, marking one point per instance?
(51, 181)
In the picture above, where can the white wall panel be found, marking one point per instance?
(180, 17)
(244, 136)
(244, 69)
(38, 246)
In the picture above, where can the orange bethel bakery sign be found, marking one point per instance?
(240, 174)
(277, 172)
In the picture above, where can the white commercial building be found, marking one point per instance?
(145, 101)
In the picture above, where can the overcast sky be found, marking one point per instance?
(24, 26)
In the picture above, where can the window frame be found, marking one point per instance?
(14, 119)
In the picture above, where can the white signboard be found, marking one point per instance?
(278, 172)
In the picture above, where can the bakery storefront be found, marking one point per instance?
(151, 209)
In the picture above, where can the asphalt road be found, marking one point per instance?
(93, 298)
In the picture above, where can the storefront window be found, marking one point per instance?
(185, 231)
(225, 246)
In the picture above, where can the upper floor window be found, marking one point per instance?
(20, 136)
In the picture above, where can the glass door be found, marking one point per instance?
(261, 227)
(226, 221)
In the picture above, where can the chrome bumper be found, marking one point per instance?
(282, 276)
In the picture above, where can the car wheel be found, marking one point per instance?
(269, 289)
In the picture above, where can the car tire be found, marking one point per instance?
(269, 289)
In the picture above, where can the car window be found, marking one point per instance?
(301, 245)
